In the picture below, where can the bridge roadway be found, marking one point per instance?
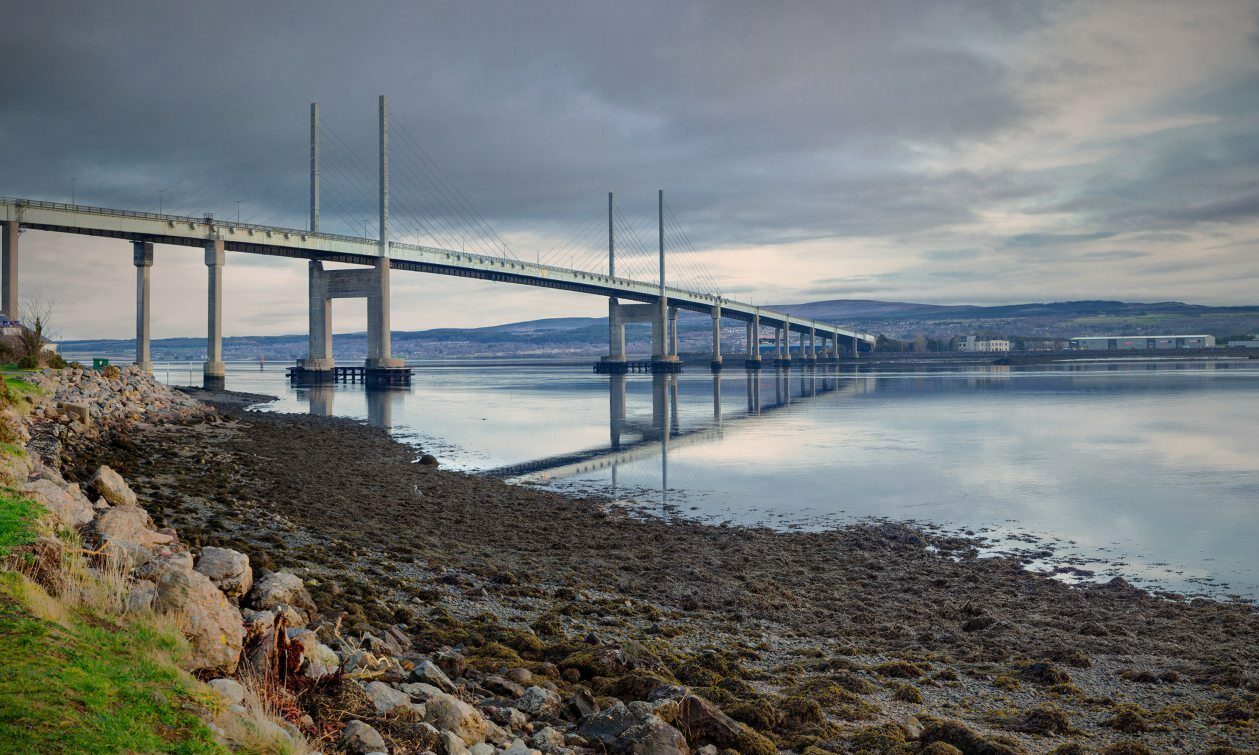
(288, 242)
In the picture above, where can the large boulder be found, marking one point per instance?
(227, 569)
(454, 715)
(213, 626)
(282, 588)
(705, 723)
(70, 507)
(109, 485)
(606, 726)
(126, 532)
(651, 737)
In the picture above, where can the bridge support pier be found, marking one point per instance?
(716, 364)
(379, 351)
(783, 346)
(619, 315)
(142, 257)
(381, 369)
(214, 371)
(811, 354)
(10, 303)
(319, 363)
(663, 358)
(753, 361)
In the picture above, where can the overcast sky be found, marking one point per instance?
(959, 152)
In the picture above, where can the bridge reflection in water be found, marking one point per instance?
(635, 438)
(635, 435)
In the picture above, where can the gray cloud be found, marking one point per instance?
(818, 123)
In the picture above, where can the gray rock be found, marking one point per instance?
(548, 737)
(140, 597)
(500, 712)
(518, 747)
(607, 725)
(651, 737)
(110, 486)
(360, 739)
(232, 691)
(501, 686)
(452, 714)
(227, 569)
(540, 702)
(71, 509)
(427, 672)
(481, 749)
(449, 744)
(385, 698)
(420, 690)
(584, 703)
(451, 663)
(520, 676)
(213, 625)
(282, 588)
(127, 533)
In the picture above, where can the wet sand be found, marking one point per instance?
(888, 613)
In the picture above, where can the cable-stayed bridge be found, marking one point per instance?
(436, 211)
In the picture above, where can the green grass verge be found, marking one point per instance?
(18, 517)
(75, 681)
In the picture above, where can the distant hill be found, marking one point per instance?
(587, 336)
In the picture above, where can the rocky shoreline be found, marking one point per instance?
(410, 608)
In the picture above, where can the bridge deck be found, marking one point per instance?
(290, 242)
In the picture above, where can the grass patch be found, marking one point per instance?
(82, 683)
(18, 518)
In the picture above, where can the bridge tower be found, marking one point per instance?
(372, 284)
(662, 359)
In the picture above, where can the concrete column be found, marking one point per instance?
(754, 340)
(673, 331)
(659, 333)
(10, 303)
(213, 369)
(717, 335)
(616, 332)
(378, 342)
(319, 354)
(778, 342)
(812, 344)
(142, 257)
(856, 349)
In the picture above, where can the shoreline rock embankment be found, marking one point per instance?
(484, 618)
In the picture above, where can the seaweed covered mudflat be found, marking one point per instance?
(871, 638)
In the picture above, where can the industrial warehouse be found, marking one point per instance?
(1138, 343)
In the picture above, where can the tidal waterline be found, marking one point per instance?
(1147, 469)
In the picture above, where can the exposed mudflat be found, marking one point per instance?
(864, 621)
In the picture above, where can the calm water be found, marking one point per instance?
(1145, 469)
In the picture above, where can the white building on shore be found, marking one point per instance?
(975, 344)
